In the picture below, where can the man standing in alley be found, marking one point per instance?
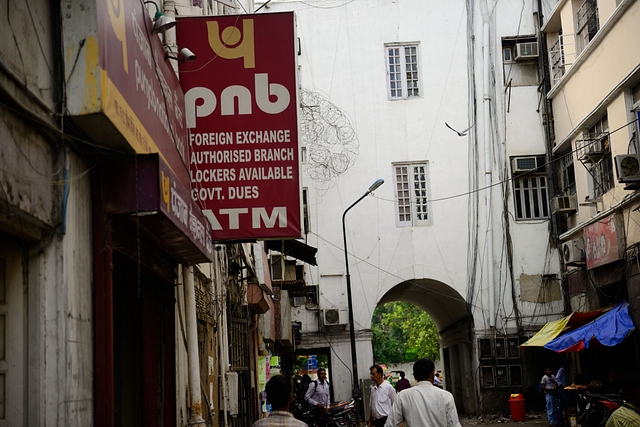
(318, 397)
(382, 397)
(549, 385)
(279, 395)
(402, 383)
(424, 404)
(561, 378)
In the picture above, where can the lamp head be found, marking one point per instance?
(375, 185)
(161, 22)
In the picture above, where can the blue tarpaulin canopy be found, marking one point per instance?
(609, 329)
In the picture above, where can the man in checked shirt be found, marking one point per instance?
(279, 396)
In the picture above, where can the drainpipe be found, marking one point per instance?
(169, 10)
(487, 173)
(195, 407)
(223, 340)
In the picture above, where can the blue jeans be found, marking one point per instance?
(552, 408)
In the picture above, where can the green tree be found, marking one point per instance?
(402, 332)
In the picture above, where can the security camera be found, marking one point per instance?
(190, 56)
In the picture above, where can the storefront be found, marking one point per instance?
(597, 346)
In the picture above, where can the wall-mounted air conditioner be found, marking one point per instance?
(564, 204)
(527, 50)
(524, 164)
(335, 316)
(628, 168)
(573, 252)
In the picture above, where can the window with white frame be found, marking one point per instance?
(530, 192)
(412, 194)
(402, 71)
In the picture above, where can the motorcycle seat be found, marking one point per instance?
(336, 410)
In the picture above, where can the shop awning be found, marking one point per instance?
(551, 330)
(576, 331)
(148, 190)
(294, 249)
(608, 330)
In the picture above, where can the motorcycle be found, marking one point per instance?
(595, 409)
(342, 414)
(303, 413)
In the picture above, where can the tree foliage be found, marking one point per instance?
(403, 332)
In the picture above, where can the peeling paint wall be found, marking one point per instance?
(533, 288)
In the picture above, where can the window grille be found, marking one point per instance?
(596, 140)
(531, 195)
(587, 23)
(568, 174)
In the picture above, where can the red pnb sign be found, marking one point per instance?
(242, 116)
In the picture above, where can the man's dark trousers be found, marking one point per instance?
(380, 422)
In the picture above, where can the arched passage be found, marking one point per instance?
(450, 313)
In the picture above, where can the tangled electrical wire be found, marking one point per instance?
(326, 132)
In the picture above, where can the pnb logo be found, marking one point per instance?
(236, 99)
(232, 44)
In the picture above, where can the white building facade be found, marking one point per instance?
(445, 103)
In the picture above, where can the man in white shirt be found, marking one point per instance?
(318, 397)
(382, 397)
(424, 404)
(549, 384)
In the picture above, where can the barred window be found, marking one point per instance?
(531, 195)
(568, 174)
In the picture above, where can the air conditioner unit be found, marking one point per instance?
(573, 252)
(335, 316)
(527, 50)
(628, 168)
(524, 164)
(564, 204)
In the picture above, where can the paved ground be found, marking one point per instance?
(533, 419)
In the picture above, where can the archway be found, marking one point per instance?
(450, 313)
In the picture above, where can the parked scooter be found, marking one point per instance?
(595, 409)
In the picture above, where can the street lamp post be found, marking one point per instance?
(354, 363)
